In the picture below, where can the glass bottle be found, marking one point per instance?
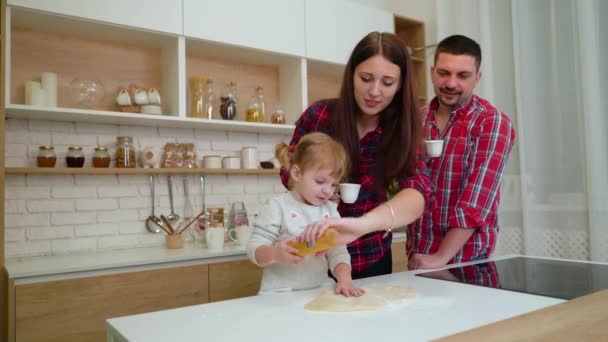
(259, 93)
(74, 157)
(101, 157)
(278, 115)
(209, 98)
(46, 156)
(125, 152)
(228, 102)
(197, 95)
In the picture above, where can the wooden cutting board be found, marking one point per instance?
(581, 319)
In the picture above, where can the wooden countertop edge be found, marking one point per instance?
(581, 319)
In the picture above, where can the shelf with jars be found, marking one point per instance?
(135, 171)
(103, 72)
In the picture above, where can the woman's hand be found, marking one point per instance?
(347, 289)
(285, 254)
(349, 229)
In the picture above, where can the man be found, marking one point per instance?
(462, 225)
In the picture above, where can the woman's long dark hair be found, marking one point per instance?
(400, 120)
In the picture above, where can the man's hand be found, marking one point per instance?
(419, 261)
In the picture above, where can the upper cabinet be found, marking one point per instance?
(156, 15)
(333, 28)
(270, 25)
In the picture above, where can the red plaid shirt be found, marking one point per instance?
(466, 178)
(369, 248)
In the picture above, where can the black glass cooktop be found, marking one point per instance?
(551, 278)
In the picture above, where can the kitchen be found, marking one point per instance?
(91, 222)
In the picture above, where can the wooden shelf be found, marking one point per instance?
(18, 111)
(135, 171)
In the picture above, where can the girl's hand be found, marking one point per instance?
(285, 254)
(346, 289)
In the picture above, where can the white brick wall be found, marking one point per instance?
(57, 214)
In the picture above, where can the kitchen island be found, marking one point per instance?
(441, 308)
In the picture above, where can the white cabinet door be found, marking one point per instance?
(271, 25)
(155, 15)
(334, 27)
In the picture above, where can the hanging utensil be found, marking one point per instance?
(173, 218)
(153, 223)
(188, 209)
(203, 192)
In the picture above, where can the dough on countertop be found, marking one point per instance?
(375, 298)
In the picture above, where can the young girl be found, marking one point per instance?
(316, 165)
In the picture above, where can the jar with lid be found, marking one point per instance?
(209, 100)
(101, 157)
(46, 156)
(278, 116)
(74, 157)
(228, 102)
(259, 93)
(254, 112)
(125, 152)
(197, 96)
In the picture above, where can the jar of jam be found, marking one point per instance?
(101, 157)
(46, 156)
(74, 157)
(125, 152)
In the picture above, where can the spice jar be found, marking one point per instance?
(197, 96)
(278, 117)
(125, 152)
(74, 157)
(101, 157)
(228, 102)
(46, 156)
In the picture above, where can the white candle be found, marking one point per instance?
(38, 97)
(49, 85)
(29, 87)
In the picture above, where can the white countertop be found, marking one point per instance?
(112, 260)
(441, 308)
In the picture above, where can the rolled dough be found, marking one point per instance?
(375, 298)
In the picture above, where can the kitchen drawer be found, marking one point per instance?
(229, 280)
(399, 257)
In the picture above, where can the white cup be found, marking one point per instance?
(349, 192)
(434, 148)
(212, 162)
(240, 234)
(123, 98)
(231, 163)
(249, 157)
(153, 96)
(140, 97)
(214, 238)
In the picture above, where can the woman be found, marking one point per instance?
(377, 121)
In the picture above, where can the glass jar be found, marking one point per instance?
(228, 102)
(74, 157)
(46, 156)
(197, 96)
(125, 152)
(278, 116)
(254, 112)
(101, 157)
(259, 93)
(209, 99)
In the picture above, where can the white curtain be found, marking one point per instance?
(543, 67)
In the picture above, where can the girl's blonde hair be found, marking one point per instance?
(314, 149)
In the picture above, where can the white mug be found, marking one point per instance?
(140, 97)
(214, 238)
(153, 96)
(240, 234)
(123, 98)
(249, 157)
(349, 192)
(231, 163)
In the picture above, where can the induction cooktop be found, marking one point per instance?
(544, 277)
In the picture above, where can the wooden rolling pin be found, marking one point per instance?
(325, 241)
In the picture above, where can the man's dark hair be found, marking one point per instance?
(459, 45)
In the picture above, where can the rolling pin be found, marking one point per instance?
(325, 241)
